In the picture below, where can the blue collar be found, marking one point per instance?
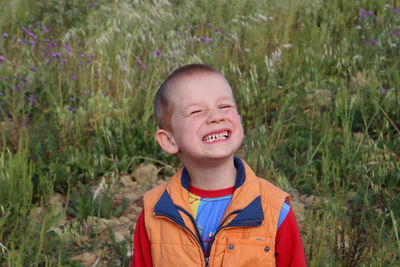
(251, 215)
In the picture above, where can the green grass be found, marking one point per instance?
(317, 88)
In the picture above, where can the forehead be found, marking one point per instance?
(200, 87)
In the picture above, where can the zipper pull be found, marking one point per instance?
(206, 259)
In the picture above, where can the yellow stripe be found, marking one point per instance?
(194, 202)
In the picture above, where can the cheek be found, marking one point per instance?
(235, 118)
(238, 123)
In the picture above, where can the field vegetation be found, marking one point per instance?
(316, 82)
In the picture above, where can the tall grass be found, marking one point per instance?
(316, 83)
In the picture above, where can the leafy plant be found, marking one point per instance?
(85, 203)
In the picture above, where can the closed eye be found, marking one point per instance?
(225, 106)
(195, 111)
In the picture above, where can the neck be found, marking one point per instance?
(213, 175)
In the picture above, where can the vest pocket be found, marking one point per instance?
(249, 252)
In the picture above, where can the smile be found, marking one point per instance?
(216, 137)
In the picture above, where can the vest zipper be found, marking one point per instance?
(206, 259)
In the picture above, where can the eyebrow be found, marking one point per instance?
(192, 105)
(199, 104)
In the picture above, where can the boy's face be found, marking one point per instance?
(205, 122)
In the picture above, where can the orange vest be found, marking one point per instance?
(247, 233)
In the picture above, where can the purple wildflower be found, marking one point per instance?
(138, 57)
(32, 100)
(143, 67)
(3, 78)
(82, 63)
(64, 60)
(2, 59)
(364, 13)
(5, 35)
(37, 22)
(394, 32)
(217, 30)
(1, 94)
(69, 51)
(32, 68)
(383, 90)
(203, 39)
(197, 27)
(82, 55)
(20, 41)
(362, 42)
(373, 42)
(54, 44)
(72, 109)
(74, 77)
(125, 69)
(188, 27)
(157, 52)
(67, 46)
(210, 39)
(396, 11)
(45, 28)
(209, 24)
(55, 54)
(138, 62)
(47, 60)
(47, 40)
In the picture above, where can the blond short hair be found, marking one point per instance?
(162, 100)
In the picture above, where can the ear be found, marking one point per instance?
(166, 141)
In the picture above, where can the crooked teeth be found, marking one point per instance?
(216, 137)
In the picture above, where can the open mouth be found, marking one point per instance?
(216, 137)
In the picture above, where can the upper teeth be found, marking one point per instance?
(215, 137)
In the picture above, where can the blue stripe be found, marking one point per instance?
(284, 212)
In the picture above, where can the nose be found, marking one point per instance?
(215, 116)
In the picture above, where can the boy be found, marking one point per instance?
(214, 211)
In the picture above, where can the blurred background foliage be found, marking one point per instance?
(316, 83)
